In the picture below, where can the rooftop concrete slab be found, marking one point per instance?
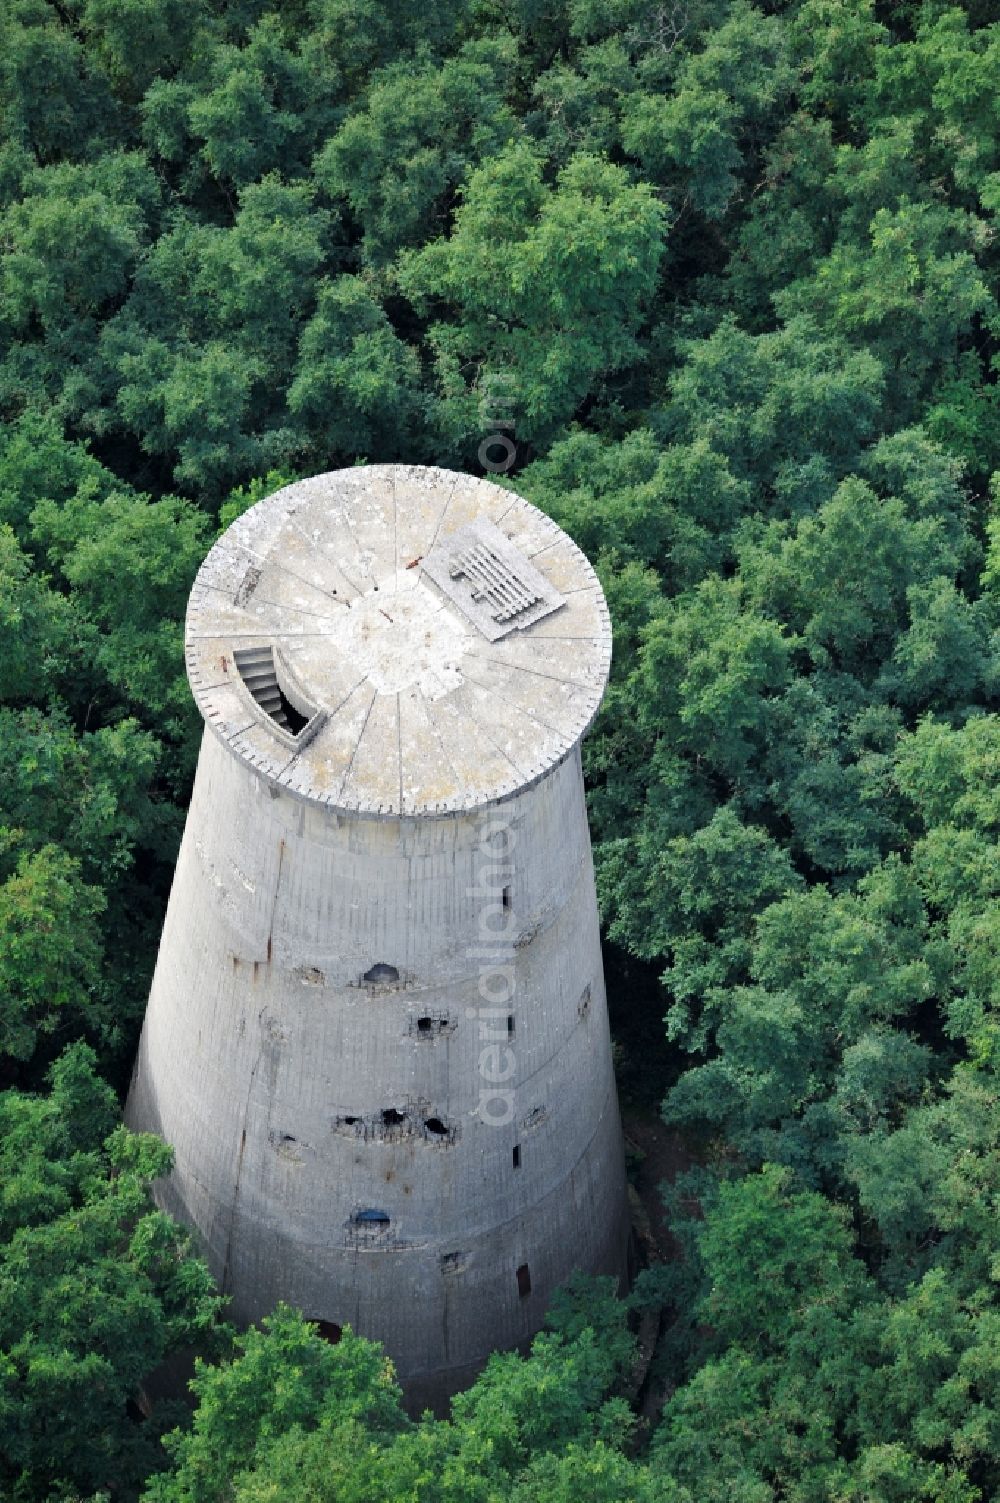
(398, 640)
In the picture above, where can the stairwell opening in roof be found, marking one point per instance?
(269, 687)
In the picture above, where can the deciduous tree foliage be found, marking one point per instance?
(97, 1288)
(730, 271)
(294, 1417)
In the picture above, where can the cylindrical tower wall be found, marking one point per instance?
(427, 1154)
(377, 1035)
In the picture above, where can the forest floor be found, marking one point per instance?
(665, 1154)
(656, 1154)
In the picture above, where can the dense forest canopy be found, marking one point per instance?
(729, 273)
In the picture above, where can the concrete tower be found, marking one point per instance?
(377, 1035)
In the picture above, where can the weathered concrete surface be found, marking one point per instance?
(299, 1095)
(419, 711)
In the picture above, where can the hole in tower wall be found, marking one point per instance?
(371, 1218)
(435, 1127)
(310, 975)
(429, 1026)
(517, 1156)
(329, 1330)
(510, 1025)
(454, 1262)
(392, 1117)
(381, 974)
(523, 1280)
(506, 899)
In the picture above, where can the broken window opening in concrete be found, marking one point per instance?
(523, 1280)
(393, 1117)
(427, 1026)
(517, 1156)
(510, 1025)
(381, 974)
(372, 1219)
(329, 1330)
(506, 899)
(436, 1127)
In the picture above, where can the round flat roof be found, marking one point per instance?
(397, 640)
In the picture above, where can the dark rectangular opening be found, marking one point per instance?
(506, 899)
(510, 1025)
(523, 1280)
(517, 1155)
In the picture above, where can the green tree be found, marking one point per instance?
(295, 1417)
(283, 1377)
(357, 386)
(50, 951)
(130, 563)
(397, 160)
(97, 1288)
(720, 107)
(548, 286)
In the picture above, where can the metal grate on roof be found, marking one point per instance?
(491, 581)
